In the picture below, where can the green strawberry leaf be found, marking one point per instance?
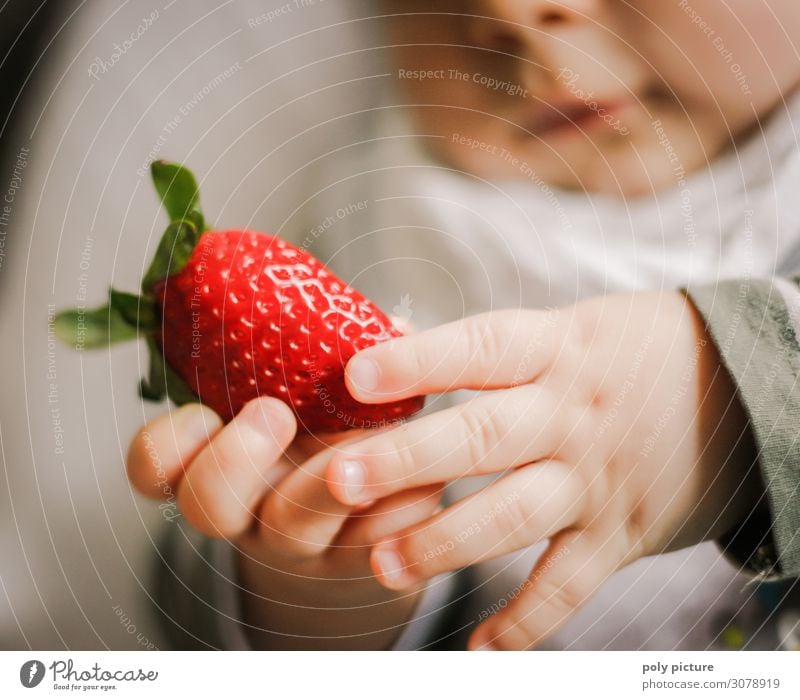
(154, 388)
(174, 250)
(177, 188)
(163, 381)
(93, 328)
(137, 311)
(177, 390)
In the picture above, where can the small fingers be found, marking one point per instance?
(390, 515)
(572, 569)
(301, 517)
(521, 509)
(229, 476)
(487, 434)
(160, 452)
(487, 351)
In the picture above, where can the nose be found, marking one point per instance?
(510, 25)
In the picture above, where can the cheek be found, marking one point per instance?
(731, 54)
(759, 40)
(770, 46)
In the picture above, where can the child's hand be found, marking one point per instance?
(620, 432)
(303, 556)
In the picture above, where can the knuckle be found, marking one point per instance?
(393, 468)
(520, 624)
(428, 551)
(415, 364)
(481, 432)
(564, 596)
(514, 518)
(506, 324)
(487, 340)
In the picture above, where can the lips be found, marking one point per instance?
(548, 118)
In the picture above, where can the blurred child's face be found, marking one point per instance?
(616, 96)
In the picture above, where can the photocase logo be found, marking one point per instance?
(403, 312)
(31, 673)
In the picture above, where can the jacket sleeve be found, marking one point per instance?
(755, 325)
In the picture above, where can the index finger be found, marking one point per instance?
(488, 351)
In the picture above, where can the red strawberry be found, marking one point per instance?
(232, 315)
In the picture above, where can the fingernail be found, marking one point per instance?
(263, 415)
(353, 477)
(390, 564)
(196, 421)
(364, 373)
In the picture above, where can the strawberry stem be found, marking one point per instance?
(174, 250)
(128, 316)
(139, 312)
